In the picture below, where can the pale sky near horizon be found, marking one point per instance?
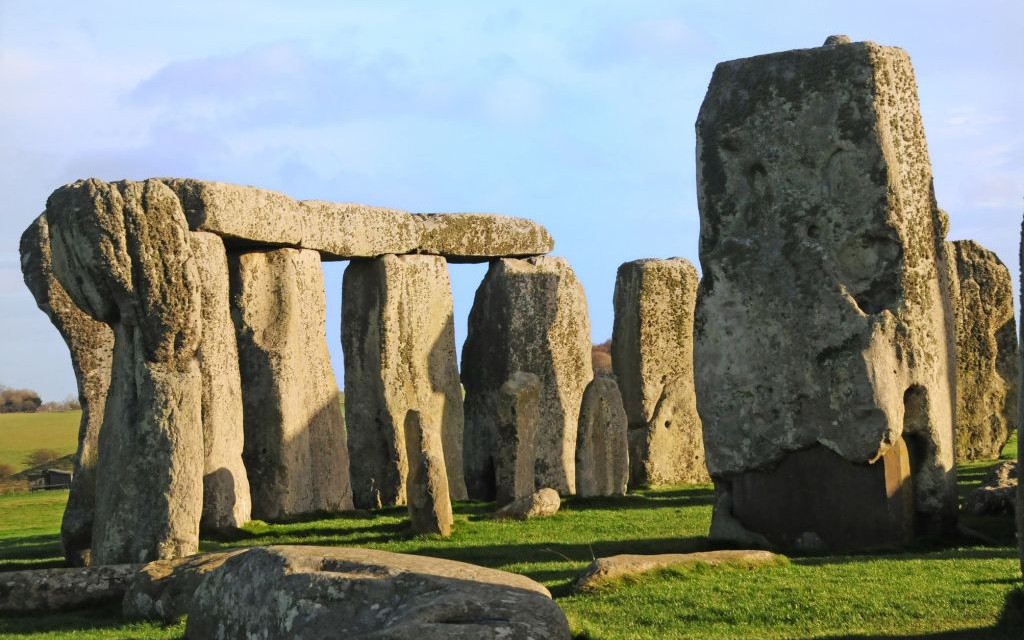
(576, 114)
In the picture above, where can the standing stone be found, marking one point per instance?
(515, 451)
(824, 348)
(430, 507)
(91, 344)
(295, 452)
(986, 352)
(226, 501)
(1020, 425)
(652, 356)
(528, 315)
(399, 342)
(602, 446)
(121, 252)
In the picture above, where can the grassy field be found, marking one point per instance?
(23, 433)
(954, 589)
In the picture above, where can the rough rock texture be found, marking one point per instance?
(997, 493)
(91, 344)
(121, 252)
(821, 317)
(604, 570)
(163, 589)
(430, 507)
(295, 451)
(540, 504)
(41, 590)
(226, 501)
(602, 446)
(1020, 420)
(986, 352)
(477, 237)
(652, 356)
(514, 446)
(399, 342)
(320, 593)
(528, 315)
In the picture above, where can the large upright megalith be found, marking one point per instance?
(121, 252)
(427, 495)
(823, 344)
(295, 451)
(652, 356)
(1020, 424)
(91, 344)
(602, 446)
(528, 315)
(399, 342)
(986, 352)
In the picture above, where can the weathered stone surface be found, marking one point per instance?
(226, 501)
(514, 445)
(540, 504)
(91, 344)
(41, 590)
(163, 589)
(477, 237)
(430, 507)
(295, 452)
(1020, 418)
(528, 315)
(603, 570)
(298, 593)
(399, 342)
(821, 317)
(986, 352)
(652, 356)
(121, 252)
(602, 446)
(997, 493)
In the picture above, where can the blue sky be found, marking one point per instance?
(576, 114)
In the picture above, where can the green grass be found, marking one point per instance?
(23, 433)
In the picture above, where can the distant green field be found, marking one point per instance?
(23, 433)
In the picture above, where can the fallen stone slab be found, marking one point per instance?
(603, 570)
(163, 589)
(540, 504)
(997, 493)
(478, 237)
(299, 593)
(42, 590)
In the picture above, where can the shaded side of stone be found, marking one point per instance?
(163, 589)
(121, 252)
(528, 315)
(295, 451)
(399, 343)
(540, 504)
(602, 446)
(91, 344)
(514, 447)
(59, 590)
(430, 507)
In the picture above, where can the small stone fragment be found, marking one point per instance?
(997, 493)
(540, 504)
(604, 570)
(602, 447)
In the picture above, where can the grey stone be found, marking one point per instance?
(822, 320)
(226, 500)
(91, 344)
(652, 356)
(836, 40)
(430, 507)
(1020, 422)
(163, 589)
(539, 504)
(121, 252)
(998, 491)
(478, 237)
(603, 570)
(602, 446)
(986, 352)
(295, 450)
(60, 590)
(528, 315)
(398, 336)
(514, 447)
(298, 593)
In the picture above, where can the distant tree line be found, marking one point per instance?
(28, 401)
(601, 357)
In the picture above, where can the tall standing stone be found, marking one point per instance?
(430, 507)
(399, 342)
(1020, 423)
(226, 500)
(652, 356)
(514, 450)
(91, 344)
(986, 352)
(121, 252)
(824, 349)
(528, 315)
(295, 451)
(602, 446)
